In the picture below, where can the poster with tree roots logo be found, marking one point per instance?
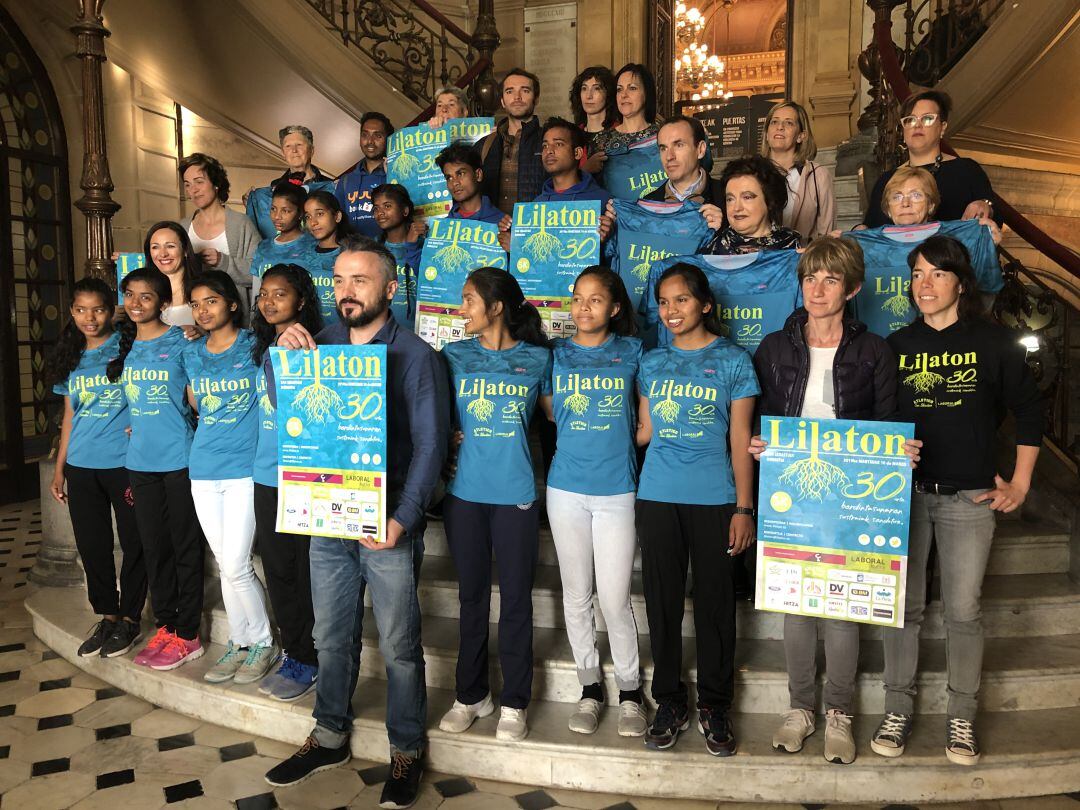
(331, 422)
(550, 243)
(833, 515)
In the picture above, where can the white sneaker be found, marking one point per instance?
(797, 726)
(461, 716)
(839, 744)
(512, 726)
(633, 721)
(586, 718)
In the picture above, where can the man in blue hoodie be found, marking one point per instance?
(563, 146)
(354, 188)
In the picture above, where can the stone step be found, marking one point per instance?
(1025, 753)
(1013, 605)
(1019, 548)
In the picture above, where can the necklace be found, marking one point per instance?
(932, 168)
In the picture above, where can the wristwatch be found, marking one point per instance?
(744, 510)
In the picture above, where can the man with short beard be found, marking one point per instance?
(513, 171)
(418, 415)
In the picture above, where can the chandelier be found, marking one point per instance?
(698, 73)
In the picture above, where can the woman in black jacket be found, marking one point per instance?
(824, 366)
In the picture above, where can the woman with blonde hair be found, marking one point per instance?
(787, 141)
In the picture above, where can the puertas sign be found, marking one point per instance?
(734, 125)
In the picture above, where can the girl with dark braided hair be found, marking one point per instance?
(90, 461)
(152, 372)
(287, 296)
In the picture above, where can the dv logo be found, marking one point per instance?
(837, 588)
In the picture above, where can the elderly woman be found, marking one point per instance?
(911, 199)
(297, 148)
(754, 197)
(788, 142)
(224, 239)
(450, 102)
(825, 366)
(963, 185)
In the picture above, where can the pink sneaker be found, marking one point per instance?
(160, 639)
(176, 652)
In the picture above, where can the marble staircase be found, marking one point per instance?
(1030, 727)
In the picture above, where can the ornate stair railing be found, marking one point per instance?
(418, 47)
(1043, 305)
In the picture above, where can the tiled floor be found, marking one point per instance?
(68, 740)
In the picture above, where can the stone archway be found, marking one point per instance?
(36, 266)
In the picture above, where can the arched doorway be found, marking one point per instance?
(35, 255)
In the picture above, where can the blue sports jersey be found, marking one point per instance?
(299, 251)
(495, 393)
(265, 470)
(225, 390)
(353, 191)
(99, 421)
(596, 416)
(633, 173)
(155, 382)
(755, 293)
(646, 232)
(259, 200)
(321, 270)
(690, 395)
(408, 265)
(883, 303)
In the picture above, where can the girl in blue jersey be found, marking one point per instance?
(590, 490)
(497, 380)
(327, 224)
(393, 212)
(222, 391)
(292, 244)
(90, 460)
(151, 370)
(287, 296)
(694, 503)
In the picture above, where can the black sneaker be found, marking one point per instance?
(671, 718)
(962, 747)
(401, 788)
(716, 728)
(101, 631)
(307, 761)
(124, 636)
(891, 735)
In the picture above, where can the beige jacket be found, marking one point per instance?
(814, 213)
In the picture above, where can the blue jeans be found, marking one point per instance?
(964, 532)
(340, 572)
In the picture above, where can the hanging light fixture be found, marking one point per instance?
(698, 73)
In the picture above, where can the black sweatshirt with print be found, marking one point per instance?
(955, 385)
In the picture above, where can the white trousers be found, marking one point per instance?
(596, 540)
(226, 511)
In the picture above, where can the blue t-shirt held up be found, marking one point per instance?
(690, 395)
(407, 255)
(99, 422)
(225, 391)
(495, 394)
(321, 270)
(155, 380)
(270, 251)
(595, 406)
(265, 471)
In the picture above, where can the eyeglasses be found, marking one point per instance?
(928, 120)
(913, 196)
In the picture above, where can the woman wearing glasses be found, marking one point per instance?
(963, 185)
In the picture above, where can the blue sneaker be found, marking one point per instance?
(267, 684)
(296, 680)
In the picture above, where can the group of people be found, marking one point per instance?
(169, 424)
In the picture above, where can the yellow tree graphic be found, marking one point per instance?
(667, 408)
(453, 258)
(923, 381)
(641, 270)
(406, 165)
(86, 398)
(132, 392)
(813, 477)
(209, 403)
(266, 405)
(542, 245)
(481, 407)
(577, 402)
(898, 305)
(317, 400)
